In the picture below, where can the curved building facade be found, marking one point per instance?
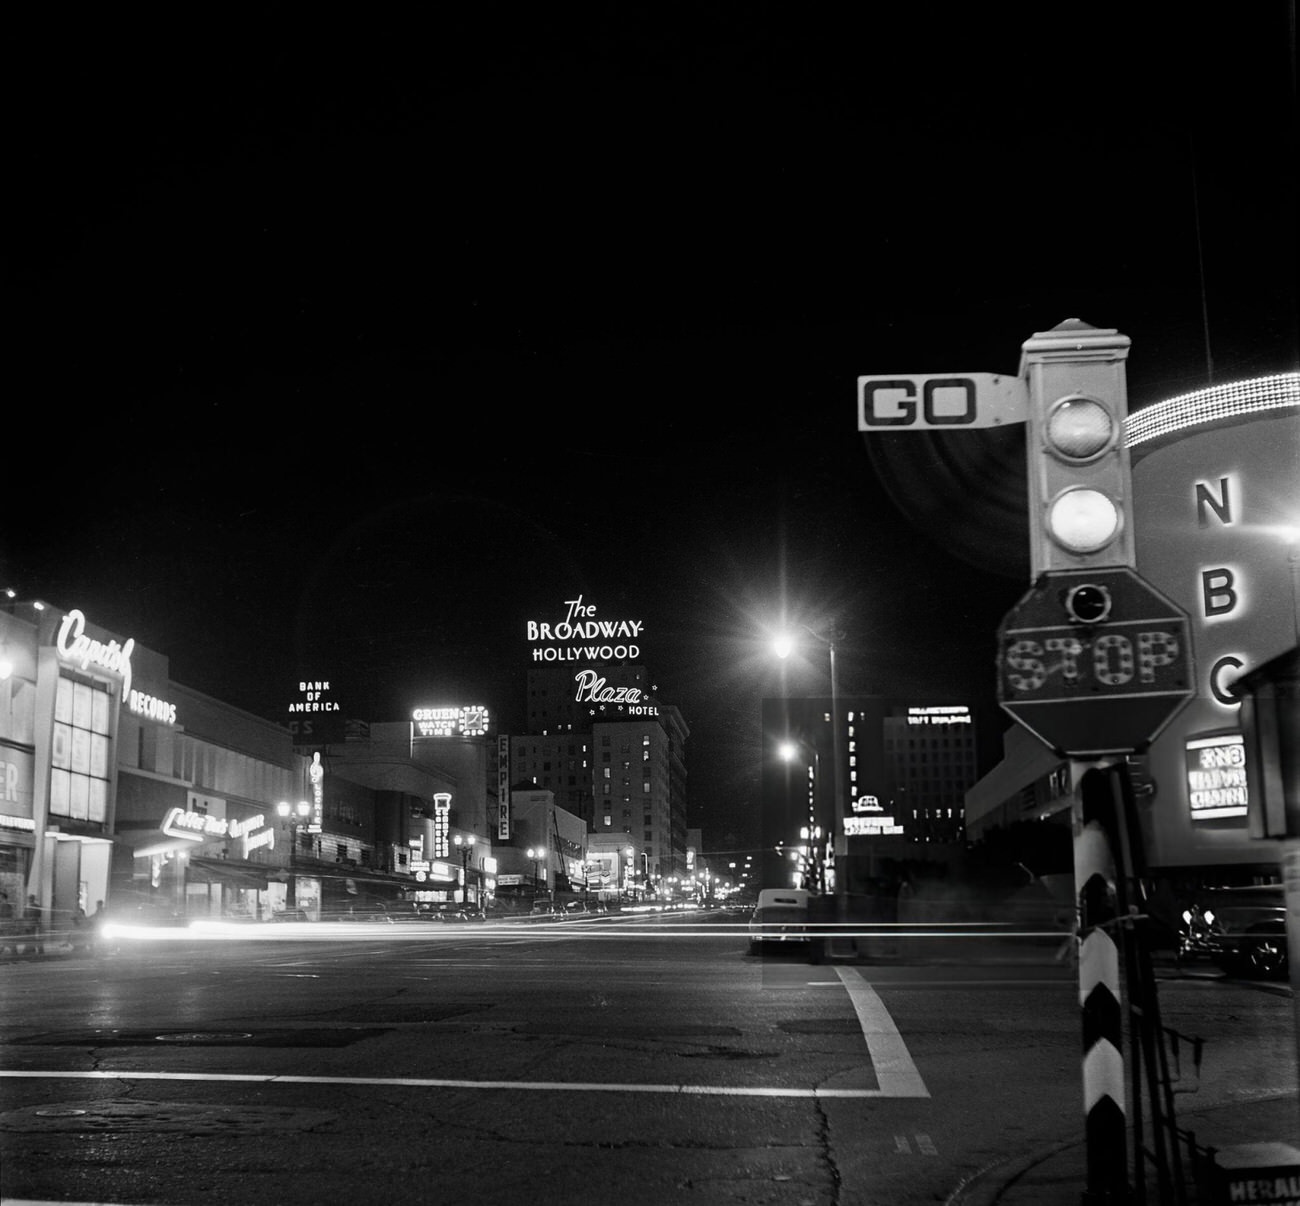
(1216, 496)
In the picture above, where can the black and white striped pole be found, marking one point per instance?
(1094, 661)
(1105, 1120)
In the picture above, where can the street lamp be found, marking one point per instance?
(465, 844)
(296, 814)
(536, 855)
(784, 645)
(815, 869)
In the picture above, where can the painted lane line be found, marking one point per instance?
(423, 1083)
(895, 1072)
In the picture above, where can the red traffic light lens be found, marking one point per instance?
(1080, 429)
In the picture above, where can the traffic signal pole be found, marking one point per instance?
(1094, 662)
(1105, 1130)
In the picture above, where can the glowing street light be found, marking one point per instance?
(537, 854)
(465, 844)
(784, 645)
(812, 855)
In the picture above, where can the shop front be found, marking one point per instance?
(200, 860)
(65, 685)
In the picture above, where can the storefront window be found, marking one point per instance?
(80, 758)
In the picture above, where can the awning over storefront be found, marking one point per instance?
(227, 871)
(144, 842)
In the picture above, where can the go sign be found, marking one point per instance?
(1094, 662)
(940, 400)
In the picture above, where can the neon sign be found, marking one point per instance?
(450, 722)
(1216, 777)
(316, 773)
(74, 645)
(313, 698)
(150, 707)
(870, 826)
(580, 624)
(441, 823)
(953, 715)
(199, 826)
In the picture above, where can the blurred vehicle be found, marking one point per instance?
(454, 914)
(781, 915)
(372, 911)
(1243, 930)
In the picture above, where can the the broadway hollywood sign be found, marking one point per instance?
(582, 637)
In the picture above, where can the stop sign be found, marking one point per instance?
(1094, 662)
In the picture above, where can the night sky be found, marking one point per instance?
(340, 347)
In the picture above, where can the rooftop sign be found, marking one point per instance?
(469, 721)
(75, 647)
(581, 637)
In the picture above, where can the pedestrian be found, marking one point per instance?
(79, 938)
(98, 919)
(8, 945)
(33, 924)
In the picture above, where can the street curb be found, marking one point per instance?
(977, 1190)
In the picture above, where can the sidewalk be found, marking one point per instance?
(1056, 1175)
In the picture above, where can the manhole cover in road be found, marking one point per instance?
(154, 1117)
(334, 1036)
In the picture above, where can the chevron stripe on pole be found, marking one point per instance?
(1099, 991)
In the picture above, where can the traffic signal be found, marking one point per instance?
(1080, 501)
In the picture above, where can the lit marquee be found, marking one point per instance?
(1210, 405)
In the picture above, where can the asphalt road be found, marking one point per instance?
(639, 1060)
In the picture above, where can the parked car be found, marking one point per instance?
(781, 916)
(1243, 930)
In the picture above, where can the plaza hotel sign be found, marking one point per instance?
(77, 649)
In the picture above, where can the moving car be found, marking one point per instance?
(781, 915)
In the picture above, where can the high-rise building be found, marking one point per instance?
(903, 775)
(598, 739)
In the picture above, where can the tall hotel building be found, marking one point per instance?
(608, 751)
